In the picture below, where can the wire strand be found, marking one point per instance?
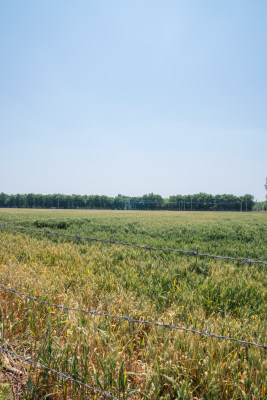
(188, 253)
(124, 318)
(62, 375)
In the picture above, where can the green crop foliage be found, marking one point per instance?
(136, 361)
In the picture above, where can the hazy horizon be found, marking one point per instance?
(123, 194)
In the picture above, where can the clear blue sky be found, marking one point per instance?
(133, 97)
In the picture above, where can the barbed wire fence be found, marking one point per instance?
(194, 253)
(61, 374)
(128, 319)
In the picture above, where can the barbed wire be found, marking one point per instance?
(61, 374)
(124, 318)
(194, 253)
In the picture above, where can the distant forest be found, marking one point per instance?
(195, 202)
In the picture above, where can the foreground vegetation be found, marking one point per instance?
(135, 361)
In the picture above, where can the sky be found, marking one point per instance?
(133, 97)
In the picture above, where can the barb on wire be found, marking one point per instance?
(186, 252)
(127, 318)
(62, 375)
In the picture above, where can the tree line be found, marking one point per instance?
(195, 202)
(260, 206)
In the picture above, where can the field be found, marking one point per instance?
(125, 359)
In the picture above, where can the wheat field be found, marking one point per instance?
(133, 360)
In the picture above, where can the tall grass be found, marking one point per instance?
(136, 361)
